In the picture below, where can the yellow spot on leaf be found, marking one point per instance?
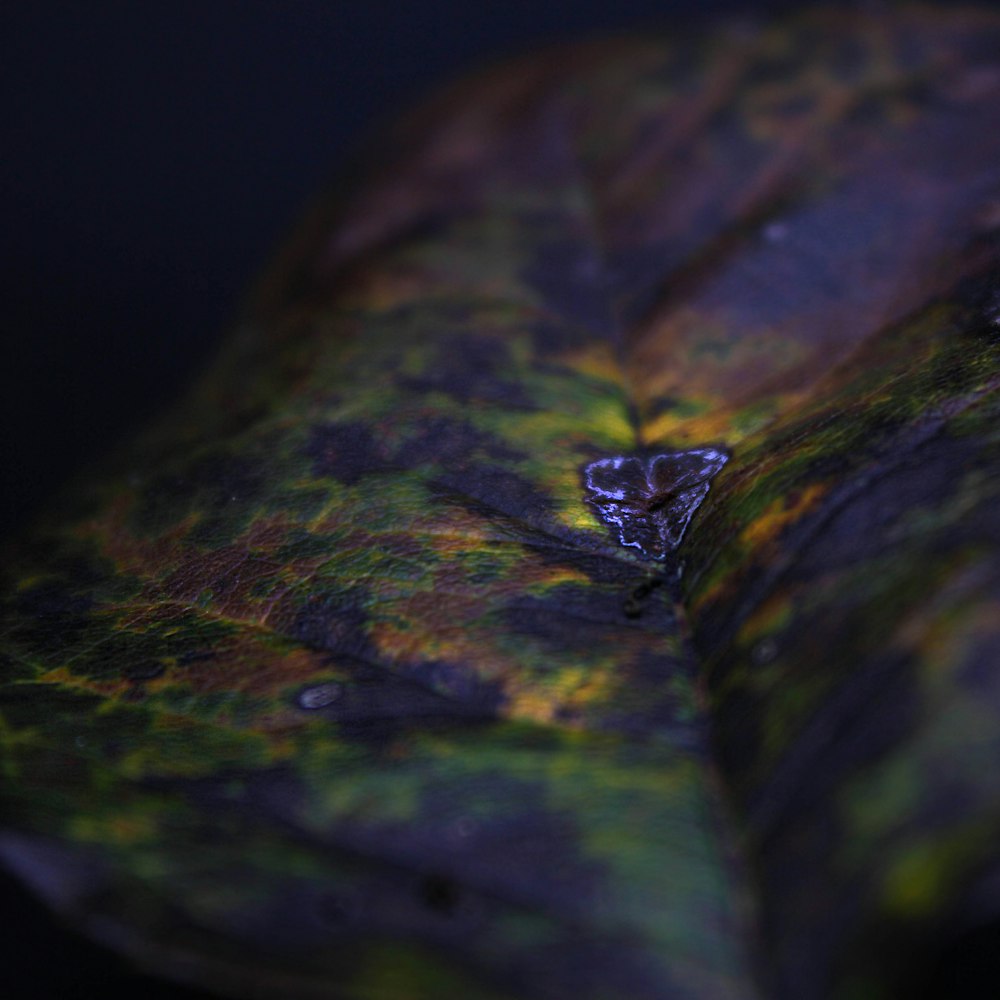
(779, 514)
(596, 360)
(770, 617)
(913, 884)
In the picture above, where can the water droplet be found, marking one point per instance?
(463, 828)
(320, 695)
(776, 232)
(650, 502)
(764, 651)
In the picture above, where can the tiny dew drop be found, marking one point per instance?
(319, 696)
(764, 651)
(463, 828)
(775, 232)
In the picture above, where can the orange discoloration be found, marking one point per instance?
(597, 361)
(768, 618)
(780, 514)
(64, 676)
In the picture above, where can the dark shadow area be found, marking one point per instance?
(967, 969)
(41, 959)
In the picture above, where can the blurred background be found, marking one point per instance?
(155, 152)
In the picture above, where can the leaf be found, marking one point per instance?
(339, 680)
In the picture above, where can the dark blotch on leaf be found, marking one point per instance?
(470, 369)
(570, 279)
(348, 452)
(635, 603)
(492, 491)
(144, 670)
(334, 620)
(344, 452)
(440, 893)
(450, 443)
(221, 487)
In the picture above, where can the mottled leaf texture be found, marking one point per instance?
(358, 678)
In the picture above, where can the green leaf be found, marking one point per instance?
(578, 577)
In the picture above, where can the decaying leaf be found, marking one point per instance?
(339, 683)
